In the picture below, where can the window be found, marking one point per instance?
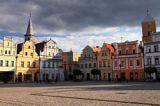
(119, 52)
(115, 63)
(22, 63)
(29, 47)
(100, 64)
(49, 46)
(1, 51)
(1, 62)
(13, 52)
(49, 53)
(108, 63)
(7, 64)
(138, 63)
(148, 49)
(149, 61)
(8, 44)
(156, 48)
(81, 65)
(131, 62)
(157, 61)
(9, 52)
(34, 64)
(126, 51)
(104, 63)
(48, 64)
(26, 53)
(90, 65)
(12, 63)
(94, 64)
(134, 51)
(31, 54)
(122, 64)
(85, 65)
(5, 51)
(28, 64)
(53, 64)
(44, 64)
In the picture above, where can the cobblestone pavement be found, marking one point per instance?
(81, 94)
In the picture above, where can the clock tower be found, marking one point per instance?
(148, 27)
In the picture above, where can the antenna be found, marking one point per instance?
(121, 38)
(147, 11)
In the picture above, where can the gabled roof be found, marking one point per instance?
(110, 47)
(19, 47)
(96, 49)
(40, 47)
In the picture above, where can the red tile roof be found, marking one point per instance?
(96, 49)
(110, 47)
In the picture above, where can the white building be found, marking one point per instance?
(88, 61)
(152, 54)
(151, 40)
(50, 61)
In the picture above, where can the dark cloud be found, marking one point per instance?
(74, 15)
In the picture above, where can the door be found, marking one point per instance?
(88, 76)
(19, 77)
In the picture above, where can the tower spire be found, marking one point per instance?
(29, 36)
(30, 27)
(147, 12)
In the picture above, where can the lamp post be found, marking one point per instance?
(120, 72)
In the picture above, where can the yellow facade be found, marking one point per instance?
(27, 63)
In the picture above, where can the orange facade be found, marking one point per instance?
(128, 61)
(104, 61)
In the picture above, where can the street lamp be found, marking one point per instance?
(120, 71)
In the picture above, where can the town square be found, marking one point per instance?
(79, 53)
(90, 93)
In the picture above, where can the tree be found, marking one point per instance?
(150, 70)
(77, 73)
(95, 72)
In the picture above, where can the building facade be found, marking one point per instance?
(88, 61)
(128, 61)
(70, 62)
(104, 61)
(8, 51)
(50, 61)
(152, 48)
(27, 68)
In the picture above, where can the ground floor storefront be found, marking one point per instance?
(129, 75)
(7, 76)
(51, 75)
(27, 77)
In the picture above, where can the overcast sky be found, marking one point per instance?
(77, 23)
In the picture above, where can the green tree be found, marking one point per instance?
(95, 73)
(150, 70)
(77, 73)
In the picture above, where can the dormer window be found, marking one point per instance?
(29, 47)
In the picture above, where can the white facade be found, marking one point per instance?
(8, 52)
(87, 62)
(50, 61)
(152, 53)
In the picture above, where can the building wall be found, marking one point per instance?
(128, 65)
(152, 55)
(51, 62)
(104, 62)
(30, 59)
(8, 54)
(87, 62)
(70, 62)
